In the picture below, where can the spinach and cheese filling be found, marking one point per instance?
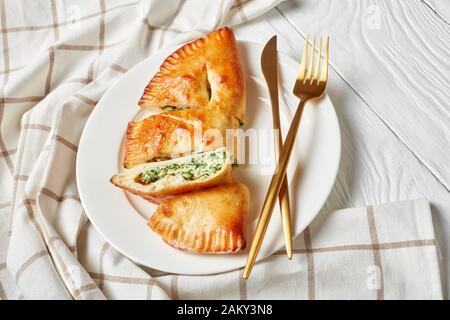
(169, 108)
(195, 168)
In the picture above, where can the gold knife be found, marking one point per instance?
(269, 66)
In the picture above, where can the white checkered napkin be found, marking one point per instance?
(382, 252)
(57, 59)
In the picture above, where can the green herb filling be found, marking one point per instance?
(195, 168)
(169, 108)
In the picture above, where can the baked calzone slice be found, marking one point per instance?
(210, 221)
(155, 181)
(205, 73)
(173, 134)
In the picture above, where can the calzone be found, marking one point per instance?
(209, 221)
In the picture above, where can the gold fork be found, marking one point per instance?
(309, 85)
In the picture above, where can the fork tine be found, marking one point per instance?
(311, 60)
(301, 72)
(324, 73)
(315, 77)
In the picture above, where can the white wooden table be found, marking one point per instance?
(390, 85)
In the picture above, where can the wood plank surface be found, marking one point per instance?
(395, 55)
(377, 165)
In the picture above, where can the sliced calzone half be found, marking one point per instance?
(158, 180)
(205, 73)
(209, 221)
(173, 134)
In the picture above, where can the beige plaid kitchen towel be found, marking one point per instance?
(58, 58)
(387, 251)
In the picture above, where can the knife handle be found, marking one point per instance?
(283, 198)
(274, 190)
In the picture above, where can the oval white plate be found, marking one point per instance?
(121, 217)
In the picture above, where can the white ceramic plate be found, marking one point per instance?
(121, 217)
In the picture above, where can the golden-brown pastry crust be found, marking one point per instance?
(209, 221)
(184, 76)
(174, 133)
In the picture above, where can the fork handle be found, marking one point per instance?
(274, 189)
